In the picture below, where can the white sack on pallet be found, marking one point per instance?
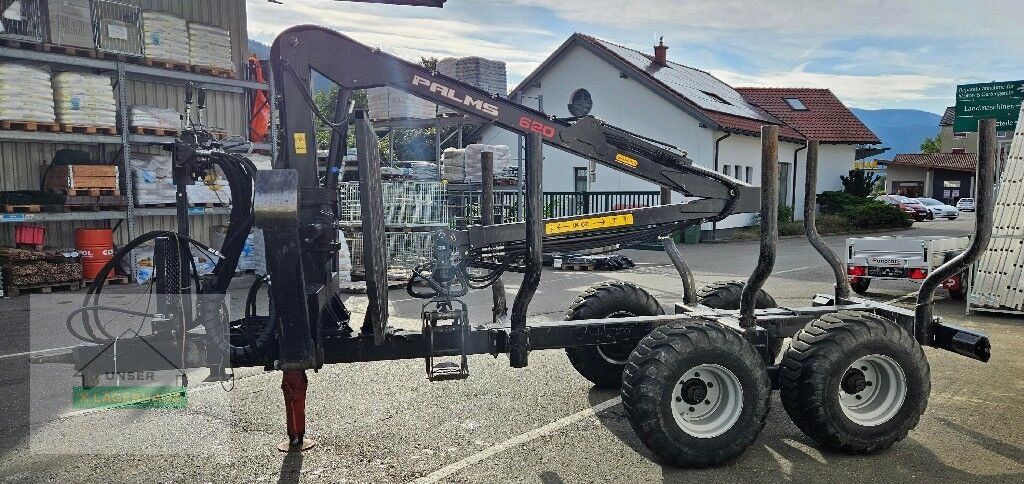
(154, 117)
(165, 37)
(463, 165)
(210, 46)
(84, 99)
(388, 103)
(26, 93)
(253, 256)
(144, 262)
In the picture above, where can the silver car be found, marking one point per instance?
(965, 205)
(939, 209)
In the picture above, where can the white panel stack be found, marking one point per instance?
(486, 74)
(999, 277)
(152, 180)
(26, 93)
(84, 99)
(463, 165)
(210, 46)
(389, 103)
(165, 37)
(154, 117)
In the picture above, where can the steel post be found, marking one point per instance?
(811, 231)
(500, 307)
(519, 343)
(984, 201)
(769, 224)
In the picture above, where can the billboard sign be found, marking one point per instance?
(999, 100)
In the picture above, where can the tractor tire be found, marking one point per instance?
(603, 364)
(696, 393)
(726, 295)
(860, 285)
(854, 382)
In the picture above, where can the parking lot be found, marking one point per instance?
(383, 422)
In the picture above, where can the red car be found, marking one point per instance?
(912, 208)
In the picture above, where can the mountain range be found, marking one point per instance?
(901, 130)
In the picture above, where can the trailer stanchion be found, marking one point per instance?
(811, 231)
(500, 307)
(689, 290)
(519, 340)
(769, 225)
(924, 320)
(293, 384)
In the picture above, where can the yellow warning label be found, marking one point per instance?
(300, 143)
(583, 224)
(625, 160)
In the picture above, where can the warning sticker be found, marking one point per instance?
(584, 224)
(300, 143)
(625, 160)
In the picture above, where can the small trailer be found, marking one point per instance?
(903, 259)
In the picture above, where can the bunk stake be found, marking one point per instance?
(293, 384)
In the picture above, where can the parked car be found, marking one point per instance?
(939, 209)
(912, 208)
(965, 205)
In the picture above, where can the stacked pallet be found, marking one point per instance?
(464, 166)
(999, 278)
(210, 47)
(165, 38)
(486, 74)
(26, 94)
(390, 103)
(88, 180)
(38, 270)
(154, 185)
(154, 120)
(84, 100)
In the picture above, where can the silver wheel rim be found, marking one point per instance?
(717, 411)
(879, 396)
(615, 354)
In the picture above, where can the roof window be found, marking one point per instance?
(796, 104)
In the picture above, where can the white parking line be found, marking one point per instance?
(794, 270)
(29, 353)
(453, 468)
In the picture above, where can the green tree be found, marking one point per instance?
(859, 183)
(931, 145)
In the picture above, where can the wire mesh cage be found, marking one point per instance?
(405, 251)
(117, 27)
(22, 20)
(405, 203)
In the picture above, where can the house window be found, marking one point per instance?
(1002, 134)
(796, 104)
(959, 135)
(579, 179)
(716, 97)
(750, 174)
(727, 170)
(580, 103)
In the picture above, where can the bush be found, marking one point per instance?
(832, 224)
(837, 202)
(862, 212)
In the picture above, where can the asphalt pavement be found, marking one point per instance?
(383, 422)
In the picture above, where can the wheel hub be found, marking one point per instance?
(854, 381)
(694, 391)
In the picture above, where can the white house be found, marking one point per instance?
(716, 125)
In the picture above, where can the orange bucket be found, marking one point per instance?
(96, 247)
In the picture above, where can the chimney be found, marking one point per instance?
(661, 52)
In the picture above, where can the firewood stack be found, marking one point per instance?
(30, 267)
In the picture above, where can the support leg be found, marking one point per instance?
(293, 384)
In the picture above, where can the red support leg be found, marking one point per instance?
(293, 384)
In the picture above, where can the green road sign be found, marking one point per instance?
(998, 100)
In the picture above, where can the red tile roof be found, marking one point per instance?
(949, 161)
(826, 118)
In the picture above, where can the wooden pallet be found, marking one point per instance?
(26, 208)
(75, 128)
(45, 288)
(20, 43)
(91, 192)
(112, 280)
(95, 203)
(120, 57)
(167, 64)
(214, 71)
(70, 50)
(154, 131)
(29, 126)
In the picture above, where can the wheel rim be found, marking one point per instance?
(707, 401)
(872, 390)
(616, 353)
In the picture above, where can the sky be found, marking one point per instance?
(873, 54)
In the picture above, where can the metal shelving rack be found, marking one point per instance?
(125, 72)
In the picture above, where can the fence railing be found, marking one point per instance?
(464, 206)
